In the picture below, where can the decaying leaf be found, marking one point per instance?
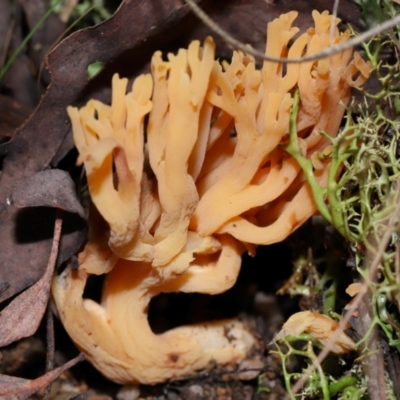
(4, 286)
(322, 327)
(50, 188)
(12, 115)
(22, 316)
(12, 388)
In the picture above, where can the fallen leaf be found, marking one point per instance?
(4, 286)
(22, 316)
(51, 188)
(12, 388)
(12, 114)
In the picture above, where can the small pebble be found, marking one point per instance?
(128, 392)
(196, 390)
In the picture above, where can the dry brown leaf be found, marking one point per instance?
(22, 316)
(12, 388)
(48, 188)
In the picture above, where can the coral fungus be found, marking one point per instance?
(186, 193)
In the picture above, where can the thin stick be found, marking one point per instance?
(49, 349)
(49, 316)
(330, 51)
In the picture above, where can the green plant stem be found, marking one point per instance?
(323, 380)
(336, 211)
(294, 150)
(341, 384)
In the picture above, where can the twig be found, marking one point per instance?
(330, 51)
(49, 315)
(49, 349)
(374, 366)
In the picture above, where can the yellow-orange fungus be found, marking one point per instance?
(175, 211)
